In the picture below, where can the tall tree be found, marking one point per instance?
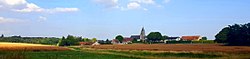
(221, 37)
(61, 42)
(120, 38)
(237, 34)
(2, 36)
(154, 36)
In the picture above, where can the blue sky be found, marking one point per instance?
(104, 19)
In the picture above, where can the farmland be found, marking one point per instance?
(179, 47)
(130, 51)
(4, 46)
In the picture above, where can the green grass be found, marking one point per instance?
(57, 55)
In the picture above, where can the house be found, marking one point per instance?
(115, 41)
(127, 40)
(172, 39)
(96, 43)
(85, 43)
(124, 41)
(137, 37)
(191, 38)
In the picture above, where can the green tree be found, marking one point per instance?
(2, 36)
(63, 42)
(86, 39)
(120, 38)
(204, 38)
(60, 43)
(237, 34)
(154, 36)
(221, 37)
(164, 37)
(94, 39)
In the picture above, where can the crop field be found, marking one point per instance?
(4, 46)
(130, 51)
(179, 47)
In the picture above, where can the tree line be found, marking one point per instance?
(34, 40)
(237, 34)
(64, 41)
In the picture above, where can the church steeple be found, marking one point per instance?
(142, 35)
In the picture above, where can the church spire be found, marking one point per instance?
(142, 35)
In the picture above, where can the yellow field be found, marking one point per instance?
(6, 46)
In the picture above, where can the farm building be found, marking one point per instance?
(191, 38)
(124, 41)
(172, 39)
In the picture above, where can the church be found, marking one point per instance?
(127, 40)
(141, 37)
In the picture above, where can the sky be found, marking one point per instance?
(105, 19)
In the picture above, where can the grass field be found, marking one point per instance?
(36, 51)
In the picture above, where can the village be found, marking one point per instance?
(143, 39)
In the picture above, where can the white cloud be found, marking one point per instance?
(133, 5)
(24, 6)
(108, 3)
(42, 18)
(8, 20)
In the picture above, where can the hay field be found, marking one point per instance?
(6, 46)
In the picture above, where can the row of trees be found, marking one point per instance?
(72, 40)
(237, 34)
(34, 40)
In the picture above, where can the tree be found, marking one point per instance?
(94, 39)
(164, 37)
(61, 42)
(204, 38)
(2, 36)
(237, 34)
(86, 39)
(107, 40)
(221, 37)
(154, 36)
(120, 38)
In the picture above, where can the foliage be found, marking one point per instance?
(120, 38)
(94, 39)
(154, 36)
(34, 40)
(204, 38)
(221, 37)
(86, 39)
(58, 55)
(2, 36)
(70, 40)
(237, 34)
(164, 37)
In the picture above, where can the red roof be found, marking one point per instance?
(115, 40)
(189, 38)
(127, 39)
